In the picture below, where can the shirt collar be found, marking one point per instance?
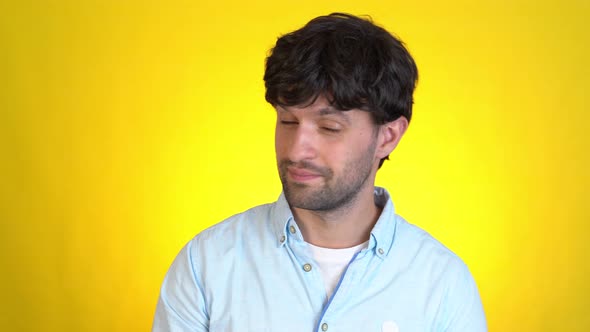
(280, 216)
(382, 234)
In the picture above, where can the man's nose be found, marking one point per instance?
(303, 145)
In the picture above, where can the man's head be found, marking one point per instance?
(350, 60)
(342, 87)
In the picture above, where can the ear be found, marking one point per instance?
(390, 134)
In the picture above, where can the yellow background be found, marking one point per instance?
(126, 127)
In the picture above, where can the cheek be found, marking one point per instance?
(361, 148)
(337, 155)
(281, 142)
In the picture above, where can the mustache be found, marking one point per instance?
(306, 165)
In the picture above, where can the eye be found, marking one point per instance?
(331, 129)
(288, 122)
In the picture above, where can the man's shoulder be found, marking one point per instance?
(246, 231)
(236, 239)
(246, 221)
(431, 266)
(416, 243)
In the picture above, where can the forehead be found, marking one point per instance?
(319, 108)
(314, 110)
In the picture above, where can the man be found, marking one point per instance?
(330, 254)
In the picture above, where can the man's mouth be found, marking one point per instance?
(302, 174)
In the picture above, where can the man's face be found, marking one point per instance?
(325, 156)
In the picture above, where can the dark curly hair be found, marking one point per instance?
(350, 60)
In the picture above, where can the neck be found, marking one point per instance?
(345, 227)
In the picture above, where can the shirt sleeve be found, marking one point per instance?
(181, 305)
(462, 308)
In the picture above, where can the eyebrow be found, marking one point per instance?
(332, 110)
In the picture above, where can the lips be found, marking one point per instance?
(301, 174)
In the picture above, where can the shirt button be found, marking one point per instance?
(307, 267)
(324, 327)
(381, 251)
(292, 229)
(282, 239)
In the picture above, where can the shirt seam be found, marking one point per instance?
(196, 278)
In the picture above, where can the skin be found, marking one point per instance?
(327, 161)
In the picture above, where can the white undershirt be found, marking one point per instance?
(333, 262)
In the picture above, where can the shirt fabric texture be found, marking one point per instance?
(254, 272)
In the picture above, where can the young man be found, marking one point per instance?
(330, 254)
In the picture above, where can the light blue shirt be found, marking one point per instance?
(254, 272)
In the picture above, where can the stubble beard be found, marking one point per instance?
(336, 192)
